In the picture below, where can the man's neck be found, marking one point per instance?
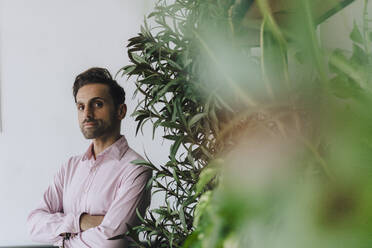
(101, 143)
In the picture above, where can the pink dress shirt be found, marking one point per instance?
(109, 185)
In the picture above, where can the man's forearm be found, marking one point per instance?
(46, 227)
(88, 221)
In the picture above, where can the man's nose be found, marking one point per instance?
(88, 113)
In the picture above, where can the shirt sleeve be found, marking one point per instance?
(131, 194)
(48, 221)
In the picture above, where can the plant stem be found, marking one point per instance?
(264, 76)
(365, 28)
(314, 42)
(279, 36)
(266, 13)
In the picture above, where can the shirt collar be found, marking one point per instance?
(115, 151)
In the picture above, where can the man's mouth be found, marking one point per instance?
(89, 124)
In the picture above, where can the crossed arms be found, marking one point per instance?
(87, 221)
(48, 223)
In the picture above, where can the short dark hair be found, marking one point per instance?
(97, 75)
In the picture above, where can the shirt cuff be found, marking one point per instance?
(72, 223)
(58, 243)
(77, 222)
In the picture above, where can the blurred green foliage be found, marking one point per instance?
(259, 158)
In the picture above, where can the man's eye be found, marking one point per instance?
(80, 107)
(98, 104)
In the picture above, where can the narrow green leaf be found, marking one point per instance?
(140, 162)
(171, 125)
(341, 65)
(174, 64)
(343, 88)
(128, 69)
(359, 57)
(195, 119)
(201, 207)
(170, 137)
(139, 124)
(182, 218)
(205, 177)
(149, 183)
(175, 146)
(155, 126)
(163, 91)
(138, 59)
(139, 215)
(174, 113)
(176, 177)
(356, 35)
(180, 112)
(152, 14)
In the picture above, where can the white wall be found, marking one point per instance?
(335, 31)
(44, 45)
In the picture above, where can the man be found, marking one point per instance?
(95, 195)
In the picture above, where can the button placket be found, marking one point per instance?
(92, 173)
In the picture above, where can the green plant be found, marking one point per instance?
(175, 67)
(202, 84)
(164, 65)
(304, 209)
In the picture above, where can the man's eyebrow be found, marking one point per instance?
(97, 98)
(92, 99)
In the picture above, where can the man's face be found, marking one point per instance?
(96, 111)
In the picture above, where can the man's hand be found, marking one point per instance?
(69, 235)
(89, 221)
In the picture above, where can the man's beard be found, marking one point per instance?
(99, 129)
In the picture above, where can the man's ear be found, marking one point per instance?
(122, 110)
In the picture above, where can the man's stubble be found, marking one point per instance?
(100, 128)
